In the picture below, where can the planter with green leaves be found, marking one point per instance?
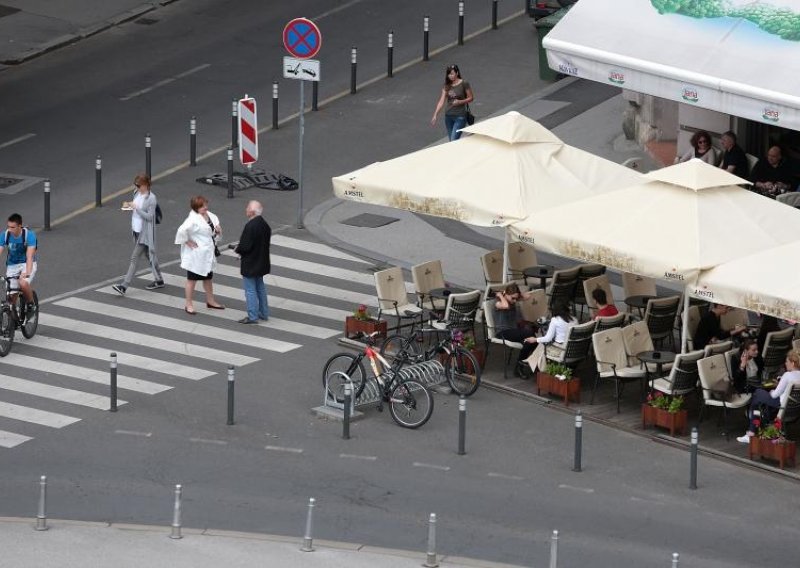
(557, 379)
(361, 324)
(770, 443)
(665, 411)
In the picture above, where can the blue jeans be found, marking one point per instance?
(255, 294)
(453, 124)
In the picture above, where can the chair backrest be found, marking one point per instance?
(734, 317)
(590, 285)
(714, 376)
(729, 359)
(488, 318)
(534, 306)
(609, 347)
(391, 288)
(660, 316)
(427, 276)
(692, 322)
(636, 285)
(791, 198)
(683, 376)
(563, 285)
(790, 410)
(492, 289)
(751, 162)
(492, 263)
(585, 272)
(718, 348)
(607, 322)
(520, 256)
(777, 344)
(579, 341)
(461, 308)
(637, 339)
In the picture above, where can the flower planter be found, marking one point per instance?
(672, 421)
(568, 390)
(782, 452)
(353, 327)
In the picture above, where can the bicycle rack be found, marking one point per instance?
(429, 373)
(327, 400)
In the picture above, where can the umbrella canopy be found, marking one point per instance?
(767, 282)
(696, 174)
(664, 230)
(509, 167)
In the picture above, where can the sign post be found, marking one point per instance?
(302, 39)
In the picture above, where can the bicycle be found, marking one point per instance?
(14, 314)
(410, 402)
(462, 370)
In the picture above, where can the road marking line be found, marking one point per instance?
(505, 476)
(284, 449)
(314, 248)
(16, 140)
(357, 457)
(41, 417)
(60, 394)
(432, 466)
(207, 441)
(650, 501)
(134, 433)
(145, 340)
(10, 439)
(163, 82)
(573, 488)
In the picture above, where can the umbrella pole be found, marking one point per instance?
(505, 255)
(685, 322)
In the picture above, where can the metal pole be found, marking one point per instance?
(462, 424)
(425, 38)
(234, 123)
(231, 377)
(113, 382)
(461, 22)
(193, 141)
(348, 401)
(430, 561)
(47, 205)
(302, 126)
(494, 14)
(353, 65)
(693, 460)
(675, 559)
(308, 541)
(41, 515)
(274, 105)
(148, 161)
(390, 54)
(230, 173)
(578, 441)
(554, 550)
(315, 96)
(176, 514)
(98, 182)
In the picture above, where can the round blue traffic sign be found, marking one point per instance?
(302, 38)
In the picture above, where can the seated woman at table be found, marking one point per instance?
(604, 309)
(506, 321)
(556, 335)
(765, 404)
(746, 367)
(701, 149)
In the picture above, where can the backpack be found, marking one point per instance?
(24, 238)
(159, 215)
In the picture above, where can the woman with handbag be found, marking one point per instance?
(197, 237)
(455, 98)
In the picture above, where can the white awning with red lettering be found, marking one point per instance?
(739, 57)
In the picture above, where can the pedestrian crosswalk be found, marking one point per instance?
(61, 376)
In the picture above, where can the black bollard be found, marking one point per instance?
(425, 38)
(98, 182)
(390, 54)
(462, 425)
(230, 173)
(113, 382)
(47, 205)
(231, 382)
(578, 441)
(693, 460)
(353, 65)
(234, 123)
(494, 14)
(348, 401)
(193, 141)
(461, 22)
(274, 105)
(148, 161)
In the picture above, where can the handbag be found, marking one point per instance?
(470, 117)
(213, 238)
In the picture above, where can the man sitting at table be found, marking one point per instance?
(709, 329)
(734, 160)
(604, 309)
(772, 176)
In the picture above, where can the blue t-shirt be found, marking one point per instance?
(16, 246)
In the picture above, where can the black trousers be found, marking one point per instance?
(519, 336)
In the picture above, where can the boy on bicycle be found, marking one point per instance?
(22, 258)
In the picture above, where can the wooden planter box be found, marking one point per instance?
(782, 453)
(672, 421)
(480, 357)
(568, 390)
(353, 327)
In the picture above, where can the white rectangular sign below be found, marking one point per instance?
(305, 69)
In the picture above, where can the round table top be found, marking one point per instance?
(539, 271)
(446, 291)
(656, 356)
(638, 301)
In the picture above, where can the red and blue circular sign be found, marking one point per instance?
(302, 38)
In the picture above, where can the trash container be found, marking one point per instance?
(543, 26)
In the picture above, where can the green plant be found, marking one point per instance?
(558, 370)
(773, 432)
(362, 313)
(671, 404)
(468, 342)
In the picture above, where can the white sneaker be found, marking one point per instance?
(744, 439)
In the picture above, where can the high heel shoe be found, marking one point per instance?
(190, 312)
(220, 307)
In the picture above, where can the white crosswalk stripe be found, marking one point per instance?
(41, 417)
(56, 393)
(314, 248)
(12, 440)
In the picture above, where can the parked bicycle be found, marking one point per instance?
(462, 370)
(14, 314)
(410, 402)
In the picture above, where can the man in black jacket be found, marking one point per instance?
(253, 249)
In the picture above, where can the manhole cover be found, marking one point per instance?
(369, 220)
(8, 182)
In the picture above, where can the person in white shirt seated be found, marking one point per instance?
(556, 335)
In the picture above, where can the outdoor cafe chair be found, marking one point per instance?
(563, 286)
(520, 256)
(790, 408)
(691, 328)
(576, 347)
(637, 340)
(533, 309)
(791, 198)
(460, 312)
(776, 346)
(492, 263)
(393, 298)
(734, 317)
(637, 285)
(718, 348)
(590, 285)
(612, 362)
(491, 332)
(608, 322)
(426, 277)
(660, 317)
(585, 272)
(682, 377)
(715, 381)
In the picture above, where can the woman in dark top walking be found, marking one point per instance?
(456, 95)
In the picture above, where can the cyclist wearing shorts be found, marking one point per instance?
(22, 259)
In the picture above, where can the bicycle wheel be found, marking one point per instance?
(410, 404)
(462, 371)
(351, 366)
(31, 321)
(396, 344)
(6, 330)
